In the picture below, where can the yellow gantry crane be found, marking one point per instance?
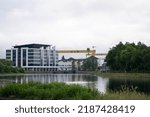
(88, 51)
(99, 54)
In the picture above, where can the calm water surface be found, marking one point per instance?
(102, 84)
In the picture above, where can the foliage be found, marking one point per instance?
(62, 91)
(52, 91)
(90, 64)
(129, 57)
(7, 67)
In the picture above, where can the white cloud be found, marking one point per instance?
(18, 13)
(75, 24)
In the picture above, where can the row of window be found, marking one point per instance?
(37, 64)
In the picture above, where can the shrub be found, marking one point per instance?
(55, 91)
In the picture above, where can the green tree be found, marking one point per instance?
(7, 67)
(90, 64)
(129, 57)
(113, 57)
(146, 58)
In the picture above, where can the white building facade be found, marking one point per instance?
(70, 64)
(34, 57)
(65, 65)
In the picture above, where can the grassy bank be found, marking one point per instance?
(62, 91)
(124, 75)
(126, 93)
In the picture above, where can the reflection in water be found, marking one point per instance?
(102, 84)
(56, 78)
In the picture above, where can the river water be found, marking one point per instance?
(101, 83)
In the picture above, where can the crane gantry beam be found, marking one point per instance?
(98, 54)
(88, 51)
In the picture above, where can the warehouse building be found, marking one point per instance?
(34, 57)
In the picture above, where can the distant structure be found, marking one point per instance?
(104, 67)
(34, 57)
(70, 64)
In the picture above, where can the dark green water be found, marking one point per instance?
(102, 84)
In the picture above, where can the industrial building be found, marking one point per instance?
(70, 64)
(34, 57)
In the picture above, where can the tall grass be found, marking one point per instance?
(126, 93)
(62, 91)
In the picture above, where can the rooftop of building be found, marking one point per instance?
(70, 59)
(32, 45)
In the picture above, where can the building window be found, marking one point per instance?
(24, 57)
(14, 57)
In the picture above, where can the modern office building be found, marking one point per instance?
(34, 57)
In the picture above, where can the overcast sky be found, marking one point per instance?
(74, 24)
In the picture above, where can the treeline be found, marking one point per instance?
(7, 67)
(129, 57)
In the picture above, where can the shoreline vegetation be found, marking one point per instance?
(62, 91)
(123, 75)
(52, 91)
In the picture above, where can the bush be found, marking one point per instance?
(54, 91)
(7, 67)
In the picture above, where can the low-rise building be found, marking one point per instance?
(70, 64)
(65, 64)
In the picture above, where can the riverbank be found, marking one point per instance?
(62, 91)
(124, 75)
